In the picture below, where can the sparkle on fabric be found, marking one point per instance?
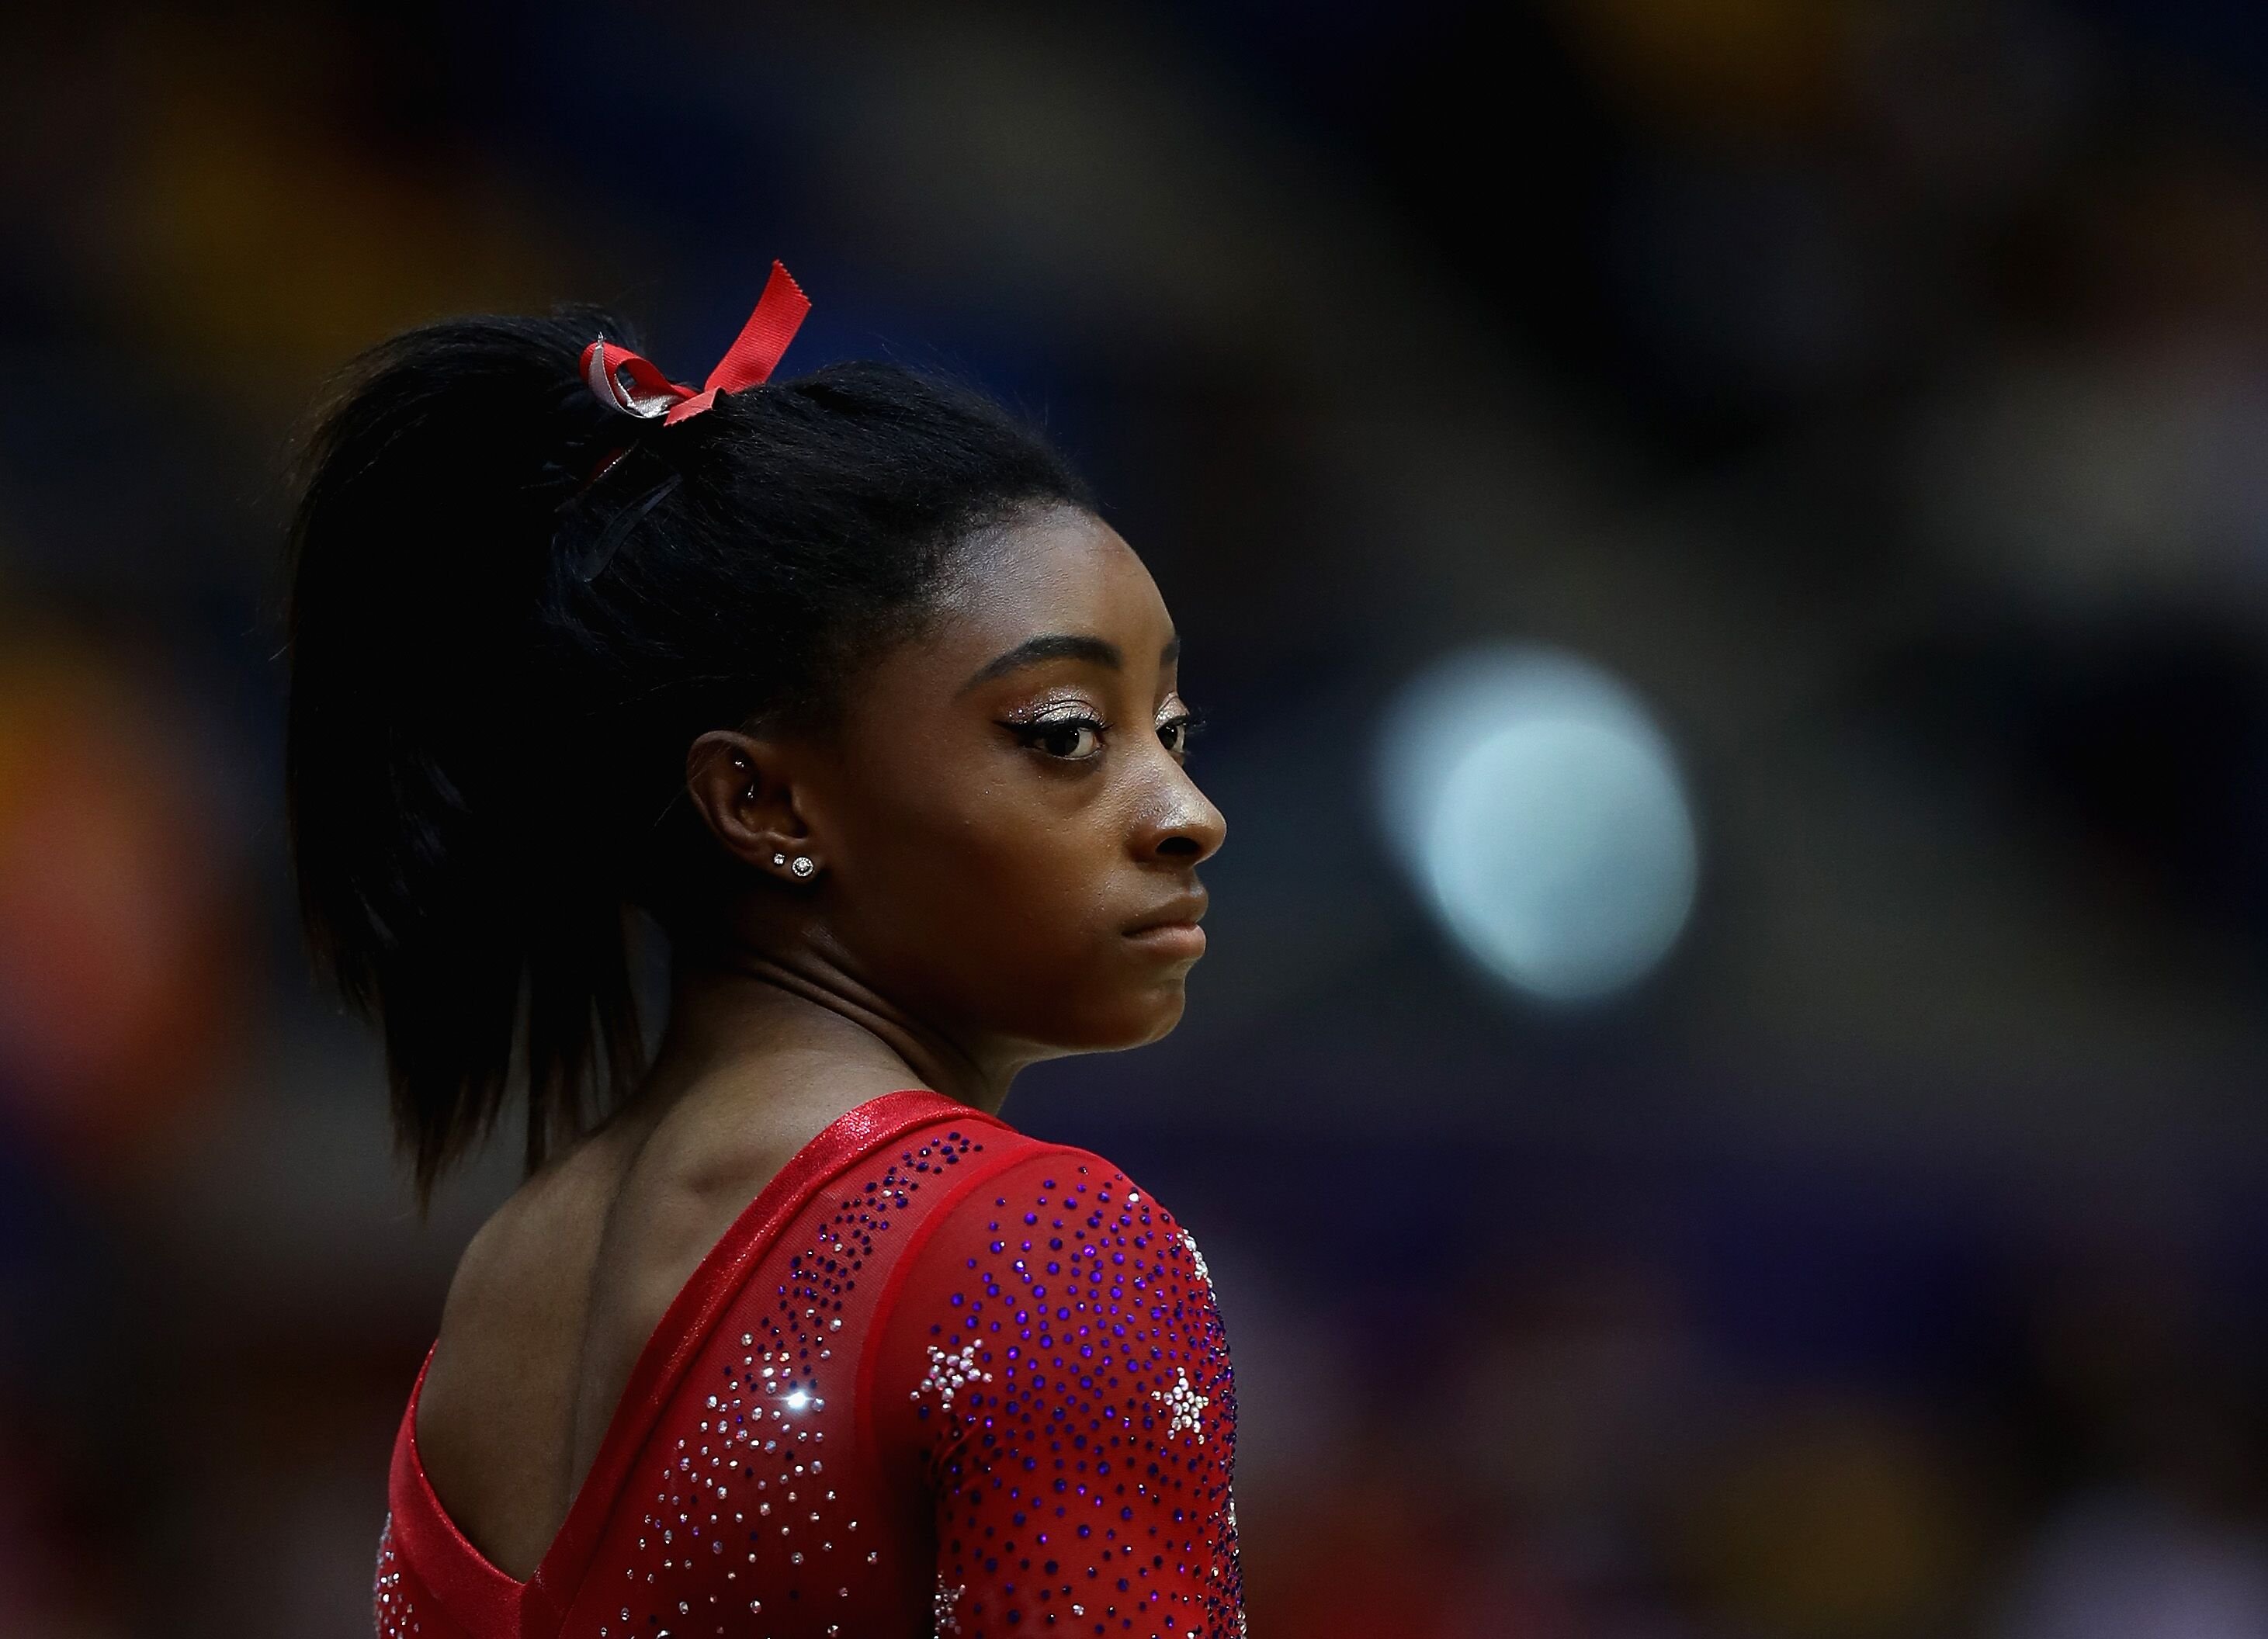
(1050, 1341)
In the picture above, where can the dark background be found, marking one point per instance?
(1879, 391)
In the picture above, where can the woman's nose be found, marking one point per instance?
(1189, 829)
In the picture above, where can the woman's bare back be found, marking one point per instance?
(556, 1298)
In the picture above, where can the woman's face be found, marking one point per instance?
(1008, 836)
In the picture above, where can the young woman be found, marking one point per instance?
(841, 681)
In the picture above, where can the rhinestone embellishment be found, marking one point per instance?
(1185, 1405)
(949, 1372)
(1042, 1338)
(1198, 1258)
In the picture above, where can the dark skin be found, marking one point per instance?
(1005, 845)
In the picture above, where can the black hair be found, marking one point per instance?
(513, 609)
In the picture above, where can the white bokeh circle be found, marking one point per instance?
(1541, 813)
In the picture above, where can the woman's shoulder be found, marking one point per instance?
(957, 1156)
(546, 1232)
(1028, 1281)
(501, 1384)
(1029, 1203)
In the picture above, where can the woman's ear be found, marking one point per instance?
(742, 787)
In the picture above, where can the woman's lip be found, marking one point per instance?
(1171, 938)
(1184, 910)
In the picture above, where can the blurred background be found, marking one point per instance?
(1726, 545)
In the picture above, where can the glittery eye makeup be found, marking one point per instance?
(1071, 735)
(1176, 727)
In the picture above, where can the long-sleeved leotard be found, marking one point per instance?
(940, 1378)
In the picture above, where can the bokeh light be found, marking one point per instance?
(1541, 813)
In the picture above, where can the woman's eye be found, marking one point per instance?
(1072, 739)
(1175, 732)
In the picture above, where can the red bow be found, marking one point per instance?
(621, 381)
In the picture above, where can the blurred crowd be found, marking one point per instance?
(1877, 388)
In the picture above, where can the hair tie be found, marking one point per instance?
(621, 381)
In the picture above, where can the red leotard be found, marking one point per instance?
(939, 1377)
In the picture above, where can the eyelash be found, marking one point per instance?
(1032, 733)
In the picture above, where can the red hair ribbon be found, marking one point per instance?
(621, 381)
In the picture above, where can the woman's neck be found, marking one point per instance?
(800, 1023)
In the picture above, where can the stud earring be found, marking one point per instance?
(803, 867)
(779, 859)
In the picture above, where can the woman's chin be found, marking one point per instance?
(1130, 1018)
(1160, 1008)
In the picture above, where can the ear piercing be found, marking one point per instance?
(801, 867)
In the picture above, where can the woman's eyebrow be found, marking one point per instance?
(1057, 646)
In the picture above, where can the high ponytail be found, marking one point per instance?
(418, 552)
(489, 720)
